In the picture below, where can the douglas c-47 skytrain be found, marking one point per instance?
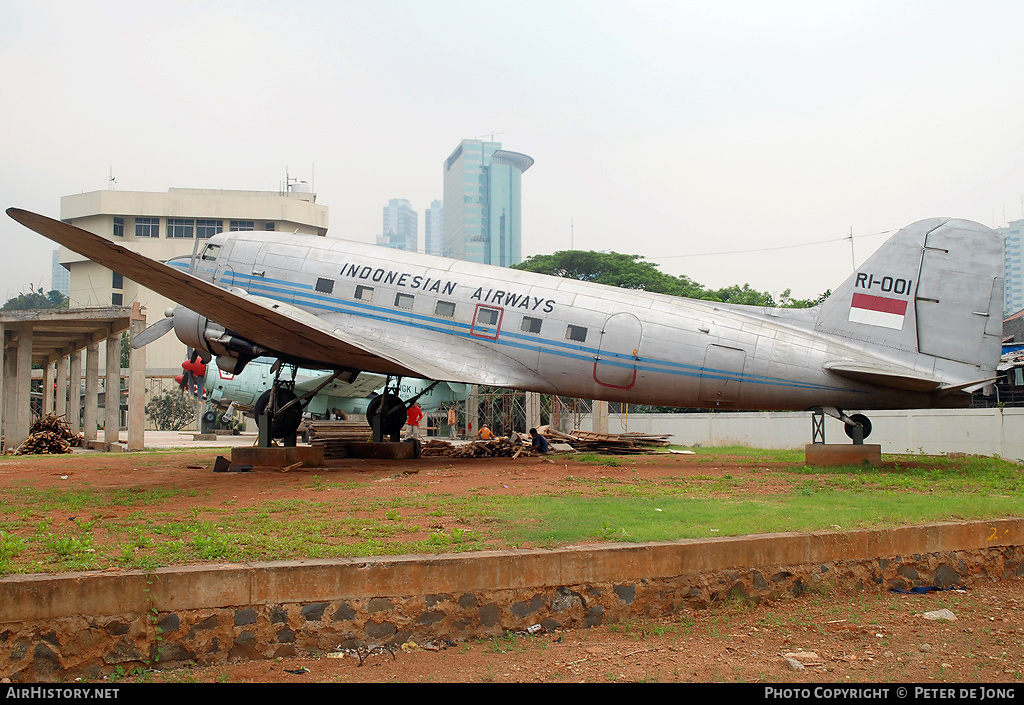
(916, 326)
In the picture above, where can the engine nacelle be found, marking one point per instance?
(200, 333)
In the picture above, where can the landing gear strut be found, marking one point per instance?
(857, 427)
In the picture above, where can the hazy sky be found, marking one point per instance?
(667, 129)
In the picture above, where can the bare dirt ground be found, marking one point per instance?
(858, 637)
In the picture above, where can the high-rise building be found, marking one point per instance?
(433, 229)
(60, 276)
(401, 226)
(482, 203)
(1013, 283)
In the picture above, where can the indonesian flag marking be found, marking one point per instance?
(878, 311)
(225, 375)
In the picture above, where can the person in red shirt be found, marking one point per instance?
(413, 416)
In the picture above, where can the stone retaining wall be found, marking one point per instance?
(89, 624)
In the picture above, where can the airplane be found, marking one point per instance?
(249, 390)
(918, 325)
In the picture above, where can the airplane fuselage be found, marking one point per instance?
(562, 336)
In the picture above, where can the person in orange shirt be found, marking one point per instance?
(486, 433)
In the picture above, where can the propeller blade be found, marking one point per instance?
(157, 330)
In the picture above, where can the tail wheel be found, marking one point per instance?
(864, 422)
(287, 424)
(391, 409)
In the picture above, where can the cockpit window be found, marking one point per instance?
(210, 252)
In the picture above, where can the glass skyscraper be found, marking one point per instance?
(433, 229)
(401, 226)
(482, 203)
(1013, 291)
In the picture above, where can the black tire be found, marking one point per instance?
(393, 410)
(210, 417)
(863, 420)
(287, 424)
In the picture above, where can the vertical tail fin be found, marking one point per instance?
(935, 288)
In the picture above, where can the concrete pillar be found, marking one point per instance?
(75, 392)
(3, 379)
(532, 410)
(92, 390)
(600, 417)
(48, 393)
(23, 388)
(137, 391)
(112, 393)
(10, 399)
(61, 402)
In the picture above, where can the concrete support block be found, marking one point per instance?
(383, 451)
(828, 454)
(278, 457)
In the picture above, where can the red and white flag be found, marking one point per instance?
(878, 311)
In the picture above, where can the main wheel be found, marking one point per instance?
(392, 411)
(863, 420)
(289, 422)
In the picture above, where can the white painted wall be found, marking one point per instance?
(933, 431)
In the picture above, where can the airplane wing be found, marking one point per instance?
(360, 388)
(286, 329)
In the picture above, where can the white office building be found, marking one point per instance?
(165, 225)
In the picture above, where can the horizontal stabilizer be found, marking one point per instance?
(968, 387)
(882, 377)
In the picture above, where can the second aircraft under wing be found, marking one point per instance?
(917, 326)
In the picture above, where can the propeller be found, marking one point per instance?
(193, 379)
(155, 331)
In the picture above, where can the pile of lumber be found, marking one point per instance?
(502, 447)
(609, 443)
(338, 430)
(50, 435)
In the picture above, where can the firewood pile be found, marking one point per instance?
(609, 443)
(502, 447)
(50, 435)
(579, 441)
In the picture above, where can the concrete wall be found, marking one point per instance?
(88, 624)
(933, 431)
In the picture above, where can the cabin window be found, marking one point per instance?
(147, 227)
(364, 293)
(210, 253)
(324, 286)
(445, 308)
(530, 325)
(404, 301)
(577, 333)
(487, 316)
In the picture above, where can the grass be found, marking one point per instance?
(50, 528)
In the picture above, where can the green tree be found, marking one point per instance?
(634, 272)
(35, 299)
(171, 411)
